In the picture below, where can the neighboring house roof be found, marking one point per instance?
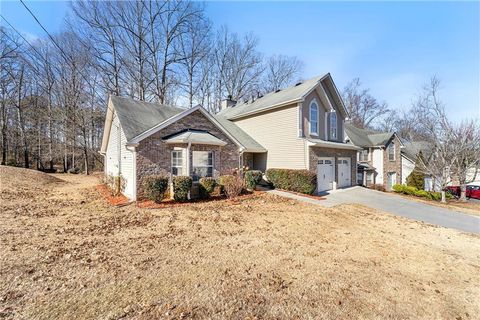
(284, 97)
(195, 136)
(367, 138)
(139, 116)
(413, 148)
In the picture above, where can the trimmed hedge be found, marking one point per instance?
(206, 187)
(181, 187)
(154, 187)
(412, 191)
(252, 178)
(232, 185)
(302, 181)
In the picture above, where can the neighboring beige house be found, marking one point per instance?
(381, 160)
(301, 127)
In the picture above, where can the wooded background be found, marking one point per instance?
(54, 90)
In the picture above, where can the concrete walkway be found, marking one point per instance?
(396, 205)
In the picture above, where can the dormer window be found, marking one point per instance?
(313, 118)
(391, 151)
(333, 125)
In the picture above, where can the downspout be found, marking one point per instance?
(240, 162)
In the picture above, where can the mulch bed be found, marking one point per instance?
(114, 200)
(303, 194)
(169, 203)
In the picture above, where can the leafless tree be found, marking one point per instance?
(280, 72)
(455, 147)
(363, 108)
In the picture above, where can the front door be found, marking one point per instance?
(391, 180)
(325, 174)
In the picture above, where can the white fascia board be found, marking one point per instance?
(275, 106)
(107, 127)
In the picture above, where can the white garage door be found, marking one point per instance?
(325, 174)
(344, 172)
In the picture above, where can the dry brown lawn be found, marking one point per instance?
(66, 254)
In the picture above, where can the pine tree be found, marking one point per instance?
(417, 177)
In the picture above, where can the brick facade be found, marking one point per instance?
(392, 166)
(154, 155)
(318, 152)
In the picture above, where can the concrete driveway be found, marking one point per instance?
(404, 207)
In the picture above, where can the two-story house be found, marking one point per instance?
(381, 159)
(300, 127)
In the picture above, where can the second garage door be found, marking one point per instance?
(344, 172)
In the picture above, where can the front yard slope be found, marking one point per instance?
(66, 254)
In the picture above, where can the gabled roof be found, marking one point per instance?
(141, 119)
(367, 138)
(413, 148)
(279, 98)
(139, 116)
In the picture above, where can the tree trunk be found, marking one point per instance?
(444, 198)
(463, 192)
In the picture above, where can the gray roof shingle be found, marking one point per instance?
(139, 116)
(367, 138)
(271, 99)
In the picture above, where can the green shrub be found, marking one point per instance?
(206, 187)
(154, 187)
(181, 187)
(400, 188)
(303, 181)
(410, 190)
(422, 193)
(252, 178)
(278, 178)
(232, 185)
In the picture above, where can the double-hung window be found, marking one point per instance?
(364, 155)
(178, 162)
(202, 164)
(333, 125)
(391, 152)
(313, 118)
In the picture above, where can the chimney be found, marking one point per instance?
(227, 103)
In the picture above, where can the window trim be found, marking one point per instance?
(391, 146)
(207, 166)
(312, 104)
(362, 152)
(182, 166)
(333, 136)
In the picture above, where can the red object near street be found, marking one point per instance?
(453, 190)
(473, 192)
(470, 192)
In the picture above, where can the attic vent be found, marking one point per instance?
(278, 90)
(298, 83)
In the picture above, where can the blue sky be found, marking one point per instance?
(394, 47)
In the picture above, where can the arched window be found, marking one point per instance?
(333, 125)
(391, 151)
(313, 118)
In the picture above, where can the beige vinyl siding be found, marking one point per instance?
(119, 160)
(277, 131)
